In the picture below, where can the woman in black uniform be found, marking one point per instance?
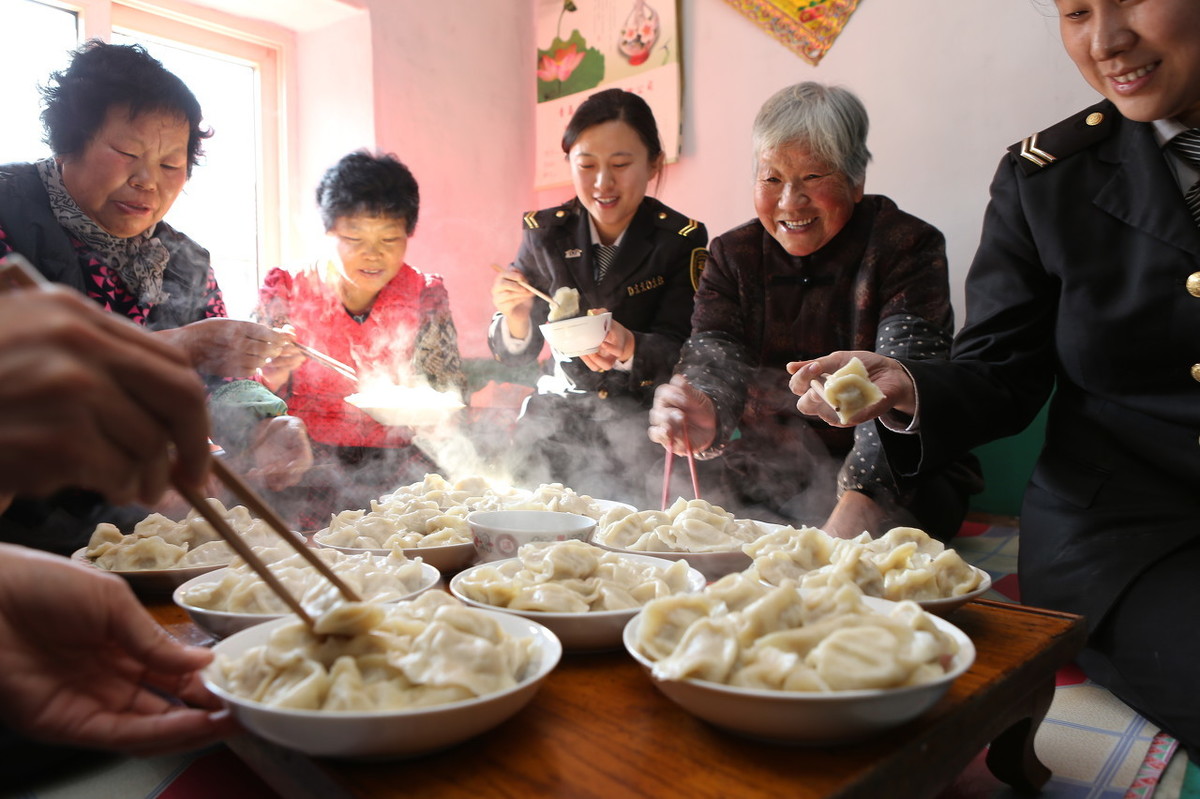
(1087, 282)
(626, 253)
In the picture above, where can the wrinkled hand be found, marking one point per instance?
(282, 452)
(90, 400)
(278, 369)
(82, 663)
(227, 347)
(893, 380)
(514, 301)
(855, 513)
(619, 345)
(675, 402)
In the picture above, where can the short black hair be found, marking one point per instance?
(610, 105)
(102, 76)
(371, 184)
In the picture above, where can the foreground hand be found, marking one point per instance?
(854, 514)
(282, 452)
(675, 402)
(514, 301)
(891, 378)
(227, 347)
(619, 345)
(82, 663)
(91, 400)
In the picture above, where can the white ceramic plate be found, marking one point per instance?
(150, 581)
(593, 631)
(386, 734)
(803, 717)
(447, 559)
(223, 623)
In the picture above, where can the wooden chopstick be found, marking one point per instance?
(687, 442)
(250, 498)
(516, 277)
(691, 459)
(323, 359)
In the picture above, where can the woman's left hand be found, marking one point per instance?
(618, 345)
(854, 513)
(282, 452)
(227, 347)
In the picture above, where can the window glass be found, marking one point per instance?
(48, 34)
(219, 207)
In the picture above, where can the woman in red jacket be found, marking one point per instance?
(369, 309)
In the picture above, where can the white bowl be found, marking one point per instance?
(447, 558)
(386, 734)
(402, 415)
(809, 717)
(222, 623)
(500, 533)
(944, 605)
(150, 581)
(596, 630)
(579, 335)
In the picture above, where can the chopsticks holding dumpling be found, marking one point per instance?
(691, 459)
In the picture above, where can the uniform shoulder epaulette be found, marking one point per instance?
(676, 222)
(547, 217)
(1074, 134)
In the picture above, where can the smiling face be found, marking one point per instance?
(800, 200)
(1143, 55)
(130, 171)
(611, 168)
(370, 253)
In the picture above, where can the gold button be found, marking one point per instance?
(646, 383)
(662, 214)
(603, 393)
(560, 214)
(1193, 284)
(1094, 118)
(1196, 372)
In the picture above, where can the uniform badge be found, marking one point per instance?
(573, 253)
(699, 259)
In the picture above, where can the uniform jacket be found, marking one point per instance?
(648, 288)
(408, 334)
(880, 283)
(1081, 284)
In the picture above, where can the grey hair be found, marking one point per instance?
(828, 120)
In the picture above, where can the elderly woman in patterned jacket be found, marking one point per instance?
(624, 252)
(822, 263)
(125, 134)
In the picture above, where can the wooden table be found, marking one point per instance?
(599, 728)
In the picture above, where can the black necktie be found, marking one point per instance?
(1187, 145)
(603, 255)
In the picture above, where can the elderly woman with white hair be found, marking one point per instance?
(822, 267)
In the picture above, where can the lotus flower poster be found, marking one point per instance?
(584, 46)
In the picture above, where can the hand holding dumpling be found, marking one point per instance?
(887, 374)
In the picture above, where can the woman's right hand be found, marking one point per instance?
(678, 403)
(278, 370)
(226, 347)
(514, 301)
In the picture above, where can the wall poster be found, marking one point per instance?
(585, 46)
(806, 27)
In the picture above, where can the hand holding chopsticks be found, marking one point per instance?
(519, 279)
